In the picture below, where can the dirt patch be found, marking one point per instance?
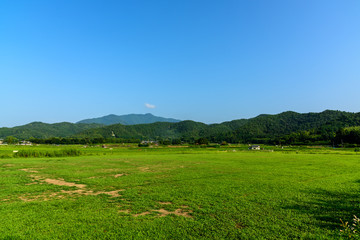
(92, 193)
(165, 203)
(35, 178)
(9, 165)
(81, 189)
(29, 170)
(42, 197)
(61, 182)
(119, 175)
(111, 170)
(127, 211)
(114, 193)
(163, 212)
(33, 183)
(144, 169)
(177, 212)
(141, 214)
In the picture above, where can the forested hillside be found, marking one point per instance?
(129, 119)
(262, 129)
(328, 127)
(45, 130)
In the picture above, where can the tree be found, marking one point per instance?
(176, 141)
(11, 140)
(202, 141)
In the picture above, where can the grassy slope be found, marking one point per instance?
(247, 195)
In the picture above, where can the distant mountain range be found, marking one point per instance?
(129, 119)
(288, 126)
(66, 129)
(261, 127)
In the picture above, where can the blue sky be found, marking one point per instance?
(204, 60)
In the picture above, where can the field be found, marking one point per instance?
(177, 193)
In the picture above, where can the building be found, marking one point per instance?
(25, 143)
(254, 147)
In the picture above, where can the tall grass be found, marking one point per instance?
(55, 153)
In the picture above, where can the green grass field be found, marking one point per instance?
(178, 193)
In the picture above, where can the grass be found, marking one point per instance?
(223, 194)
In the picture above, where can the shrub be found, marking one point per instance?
(143, 145)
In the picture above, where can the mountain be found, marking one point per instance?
(261, 128)
(287, 127)
(129, 119)
(45, 130)
(156, 130)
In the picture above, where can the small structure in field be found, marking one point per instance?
(25, 143)
(1, 141)
(254, 147)
(149, 142)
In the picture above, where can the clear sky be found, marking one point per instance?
(204, 60)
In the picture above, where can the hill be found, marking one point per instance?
(45, 130)
(263, 128)
(287, 127)
(158, 130)
(129, 119)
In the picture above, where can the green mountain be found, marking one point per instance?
(287, 127)
(45, 130)
(148, 131)
(261, 128)
(129, 119)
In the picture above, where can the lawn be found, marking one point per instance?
(178, 193)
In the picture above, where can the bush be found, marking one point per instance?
(143, 145)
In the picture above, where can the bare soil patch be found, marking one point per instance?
(163, 212)
(177, 212)
(141, 214)
(41, 197)
(61, 182)
(119, 175)
(29, 170)
(9, 165)
(92, 193)
(144, 169)
(127, 211)
(81, 189)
